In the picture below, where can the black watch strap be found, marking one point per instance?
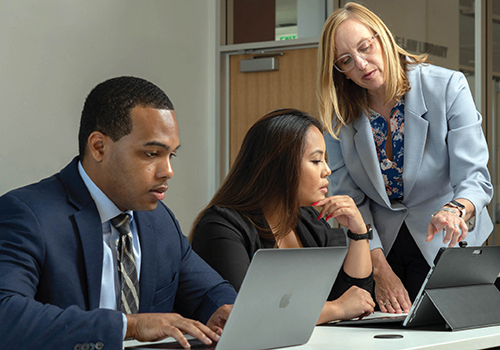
(356, 237)
(457, 204)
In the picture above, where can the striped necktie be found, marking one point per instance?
(127, 269)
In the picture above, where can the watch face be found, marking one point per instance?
(370, 234)
(457, 204)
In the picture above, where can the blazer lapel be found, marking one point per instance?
(147, 235)
(416, 130)
(89, 228)
(365, 147)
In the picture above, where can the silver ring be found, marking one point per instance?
(387, 302)
(456, 225)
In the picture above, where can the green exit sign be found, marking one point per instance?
(288, 37)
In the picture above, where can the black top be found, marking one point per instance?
(227, 241)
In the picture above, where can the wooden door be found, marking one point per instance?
(252, 95)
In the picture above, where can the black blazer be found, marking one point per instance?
(227, 241)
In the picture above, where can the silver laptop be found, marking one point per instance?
(280, 300)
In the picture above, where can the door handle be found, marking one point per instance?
(261, 63)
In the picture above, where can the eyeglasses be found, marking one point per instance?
(346, 62)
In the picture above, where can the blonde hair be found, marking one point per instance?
(342, 98)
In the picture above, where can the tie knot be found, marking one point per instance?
(122, 223)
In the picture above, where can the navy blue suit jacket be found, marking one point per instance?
(51, 249)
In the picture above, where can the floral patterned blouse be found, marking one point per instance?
(392, 171)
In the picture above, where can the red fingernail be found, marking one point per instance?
(315, 203)
(320, 216)
(328, 217)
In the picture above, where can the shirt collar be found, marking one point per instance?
(106, 208)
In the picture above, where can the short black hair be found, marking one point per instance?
(107, 107)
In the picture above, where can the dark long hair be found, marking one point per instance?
(266, 172)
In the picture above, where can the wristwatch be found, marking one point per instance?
(459, 206)
(357, 237)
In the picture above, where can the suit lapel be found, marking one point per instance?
(147, 235)
(89, 229)
(365, 147)
(416, 130)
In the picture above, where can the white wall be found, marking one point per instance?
(54, 52)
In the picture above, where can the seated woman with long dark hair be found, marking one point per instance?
(266, 201)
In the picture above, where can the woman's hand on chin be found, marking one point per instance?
(344, 210)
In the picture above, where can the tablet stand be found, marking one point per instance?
(467, 306)
(460, 290)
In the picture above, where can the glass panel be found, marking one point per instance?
(496, 39)
(299, 18)
(286, 20)
(496, 115)
(267, 20)
(467, 34)
(467, 41)
(422, 26)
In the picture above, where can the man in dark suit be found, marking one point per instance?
(62, 285)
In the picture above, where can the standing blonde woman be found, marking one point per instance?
(424, 184)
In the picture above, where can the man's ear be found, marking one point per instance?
(96, 144)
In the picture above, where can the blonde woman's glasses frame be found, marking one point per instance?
(364, 50)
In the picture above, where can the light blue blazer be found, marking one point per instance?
(445, 157)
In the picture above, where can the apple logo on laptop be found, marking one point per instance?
(285, 300)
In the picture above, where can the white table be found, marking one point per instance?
(337, 337)
(363, 338)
